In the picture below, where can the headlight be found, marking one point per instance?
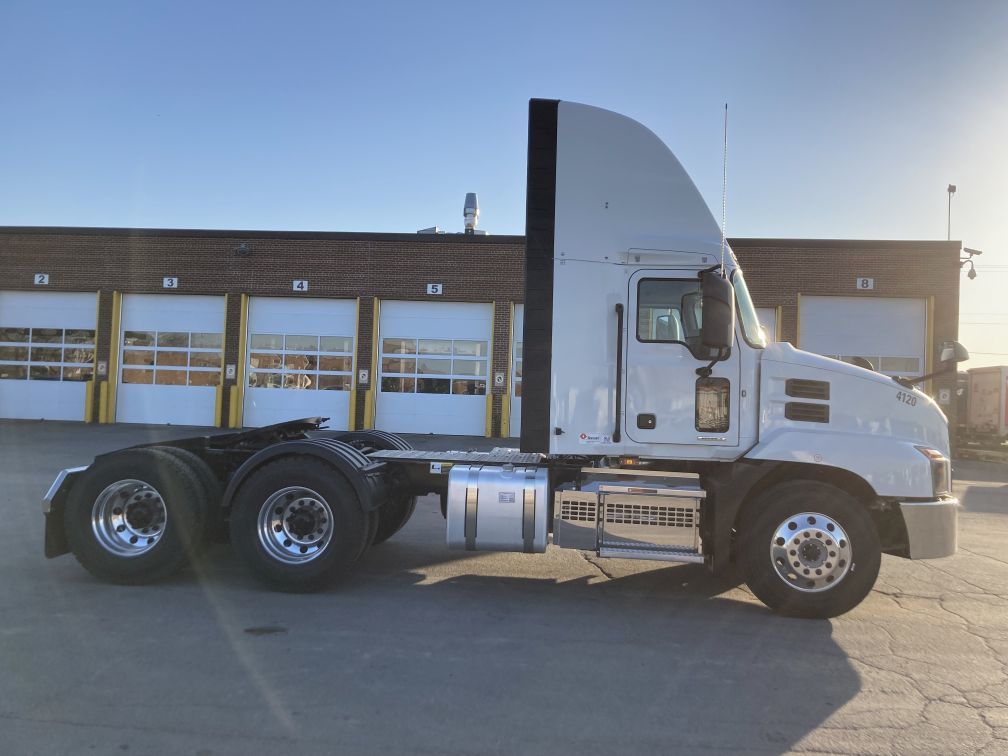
(941, 470)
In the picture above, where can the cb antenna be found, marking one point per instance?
(724, 190)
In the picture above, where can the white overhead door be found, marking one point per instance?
(300, 360)
(170, 361)
(47, 353)
(434, 361)
(517, 329)
(891, 333)
(768, 319)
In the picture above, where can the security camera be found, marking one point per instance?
(972, 274)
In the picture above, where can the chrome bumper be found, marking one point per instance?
(931, 527)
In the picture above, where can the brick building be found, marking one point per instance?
(408, 332)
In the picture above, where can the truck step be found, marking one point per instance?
(655, 555)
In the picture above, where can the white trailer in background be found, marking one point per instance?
(656, 423)
(987, 405)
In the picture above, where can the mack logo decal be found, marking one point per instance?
(594, 438)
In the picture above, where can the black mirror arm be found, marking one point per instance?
(706, 370)
(911, 382)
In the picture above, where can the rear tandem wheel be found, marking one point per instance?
(297, 524)
(135, 516)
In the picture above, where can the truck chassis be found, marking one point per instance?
(302, 504)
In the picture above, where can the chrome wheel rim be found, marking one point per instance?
(810, 552)
(295, 525)
(128, 518)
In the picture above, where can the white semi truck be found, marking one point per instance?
(657, 424)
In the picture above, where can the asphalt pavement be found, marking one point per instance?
(429, 651)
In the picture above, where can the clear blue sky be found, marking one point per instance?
(846, 119)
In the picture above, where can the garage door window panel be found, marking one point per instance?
(454, 376)
(334, 382)
(300, 362)
(172, 359)
(399, 346)
(398, 385)
(268, 342)
(13, 354)
(328, 363)
(178, 358)
(214, 341)
(139, 339)
(14, 335)
(39, 354)
(205, 360)
(433, 386)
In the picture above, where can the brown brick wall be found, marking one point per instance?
(399, 266)
(778, 271)
(387, 266)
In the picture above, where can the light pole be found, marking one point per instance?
(951, 191)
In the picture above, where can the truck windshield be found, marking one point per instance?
(751, 330)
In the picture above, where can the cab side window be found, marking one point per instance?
(669, 312)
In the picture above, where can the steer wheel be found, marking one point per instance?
(809, 549)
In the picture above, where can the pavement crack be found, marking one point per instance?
(604, 572)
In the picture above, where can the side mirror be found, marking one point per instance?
(717, 329)
(954, 352)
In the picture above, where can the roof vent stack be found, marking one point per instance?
(471, 213)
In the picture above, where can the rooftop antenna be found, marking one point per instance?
(724, 189)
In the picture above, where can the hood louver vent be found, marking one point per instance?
(807, 413)
(805, 389)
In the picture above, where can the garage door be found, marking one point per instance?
(433, 367)
(768, 319)
(516, 370)
(47, 353)
(891, 333)
(300, 360)
(170, 359)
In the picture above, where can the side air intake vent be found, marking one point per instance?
(801, 388)
(807, 413)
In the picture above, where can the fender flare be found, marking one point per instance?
(366, 477)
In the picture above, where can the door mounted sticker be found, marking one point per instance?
(594, 438)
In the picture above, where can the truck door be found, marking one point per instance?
(666, 402)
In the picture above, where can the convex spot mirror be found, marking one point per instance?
(717, 329)
(954, 352)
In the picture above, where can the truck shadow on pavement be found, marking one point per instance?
(650, 659)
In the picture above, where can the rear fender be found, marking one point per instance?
(52, 507)
(367, 478)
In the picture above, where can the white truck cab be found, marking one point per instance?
(657, 424)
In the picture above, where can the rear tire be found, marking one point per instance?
(135, 517)
(393, 516)
(395, 513)
(215, 526)
(297, 524)
(809, 550)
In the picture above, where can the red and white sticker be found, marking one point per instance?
(594, 438)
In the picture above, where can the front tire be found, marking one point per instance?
(809, 550)
(297, 524)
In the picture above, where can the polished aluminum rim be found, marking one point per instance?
(129, 518)
(295, 525)
(810, 552)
